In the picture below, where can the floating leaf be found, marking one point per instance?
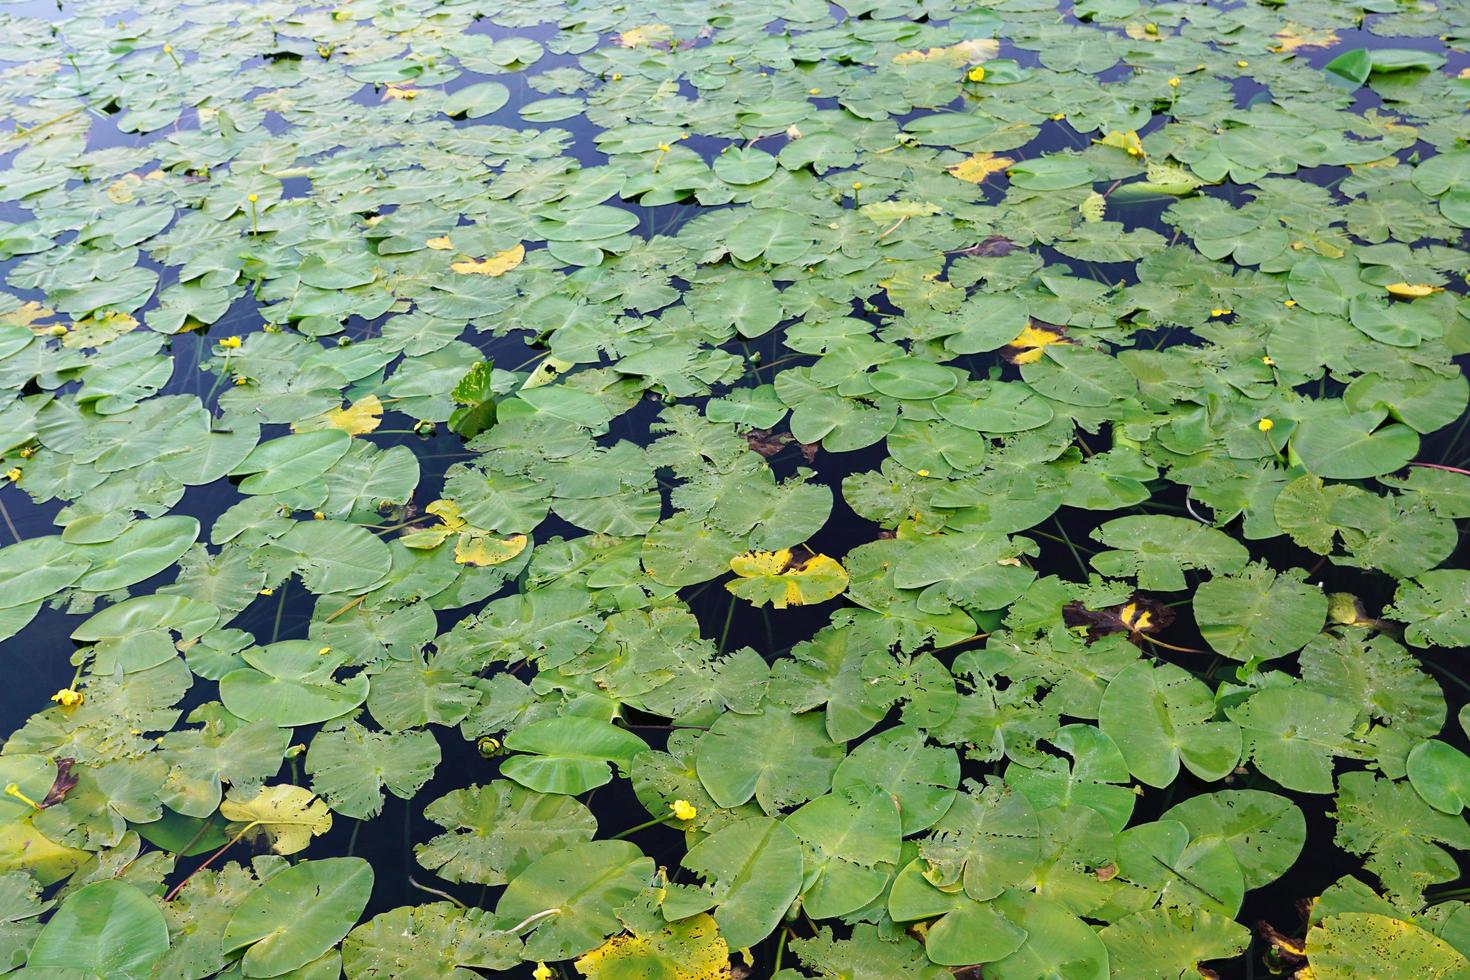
(298, 915)
(783, 580)
(104, 929)
(288, 815)
(496, 265)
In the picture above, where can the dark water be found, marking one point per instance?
(36, 659)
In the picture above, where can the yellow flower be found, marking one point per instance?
(13, 474)
(922, 472)
(663, 147)
(13, 789)
(857, 185)
(230, 343)
(267, 591)
(1221, 312)
(26, 452)
(683, 810)
(1150, 29)
(68, 698)
(1058, 116)
(617, 77)
(542, 972)
(1265, 425)
(1174, 82)
(168, 49)
(1242, 64)
(252, 198)
(318, 516)
(1288, 303)
(813, 91)
(1268, 361)
(241, 381)
(976, 74)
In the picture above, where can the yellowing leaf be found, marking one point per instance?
(754, 563)
(645, 36)
(1029, 344)
(482, 549)
(977, 166)
(441, 244)
(431, 537)
(24, 848)
(1294, 36)
(496, 265)
(1141, 31)
(965, 52)
(290, 815)
(690, 949)
(1093, 207)
(448, 512)
(98, 330)
(1127, 141)
(120, 191)
(359, 418)
(1406, 290)
(29, 314)
(775, 577)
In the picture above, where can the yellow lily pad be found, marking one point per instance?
(782, 580)
(1408, 290)
(483, 549)
(359, 418)
(1029, 344)
(496, 265)
(978, 166)
(289, 815)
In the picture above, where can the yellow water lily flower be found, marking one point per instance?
(230, 343)
(976, 74)
(683, 810)
(857, 185)
(542, 972)
(1242, 64)
(168, 49)
(13, 474)
(922, 472)
(267, 592)
(252, 198)
(1268, 361)
(617, 77)
(1265, 425)
(1288, 303)
(68, 698)
(1174, 82)
(813, 91)
(1222, 312)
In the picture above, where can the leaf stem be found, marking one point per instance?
(435, 891)
(228, 844)
(645, 824)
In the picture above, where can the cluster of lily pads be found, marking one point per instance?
(1091, 341)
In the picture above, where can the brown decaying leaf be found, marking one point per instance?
(62, 785)
(1136, 616)
(992, 247)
